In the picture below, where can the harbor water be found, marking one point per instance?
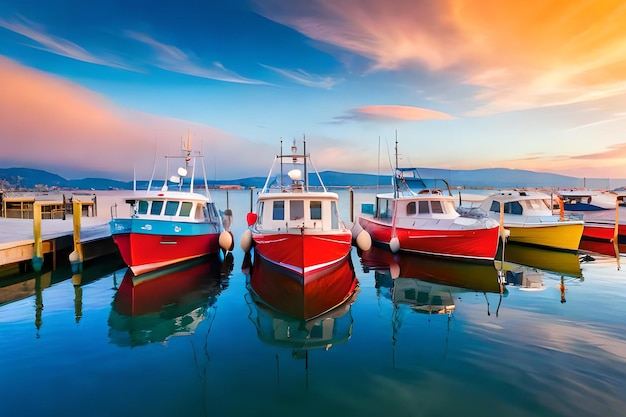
(419, 338)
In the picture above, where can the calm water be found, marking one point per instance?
(88, 346)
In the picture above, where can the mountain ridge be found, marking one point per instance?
(35, 179)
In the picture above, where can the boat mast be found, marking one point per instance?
(395, 173)
(306, 176)
(281, 163)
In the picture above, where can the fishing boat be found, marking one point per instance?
(172, 224)
(282, 290)
(529, 218)
(294, 227)
(422, 218)
(603, 212)
(170, 301)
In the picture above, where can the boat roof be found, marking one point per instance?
(307, 195)
(168, 195)
(517, 195)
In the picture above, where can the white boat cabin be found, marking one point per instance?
(286, 212)
(173, 208)
(430, 206)
(520, 203)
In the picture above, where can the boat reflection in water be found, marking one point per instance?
(429, 284)
(284, 290)
(526, 268)
(296, 321)
(168, 302)
(555, 261)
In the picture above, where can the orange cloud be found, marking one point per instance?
(402, 113)
(49, 123)
(520, 54)
(393, 113)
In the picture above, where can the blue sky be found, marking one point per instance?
(97, 88)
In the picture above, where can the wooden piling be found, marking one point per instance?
(37, 260)
(76, 257)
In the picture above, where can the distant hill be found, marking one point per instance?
(33, 179)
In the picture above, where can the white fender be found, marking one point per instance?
(364, 241)
(246, 241)
(226, 240)
(394, 244)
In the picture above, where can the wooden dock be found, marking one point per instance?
(17, 241)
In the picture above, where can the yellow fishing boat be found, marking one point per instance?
(529, 219)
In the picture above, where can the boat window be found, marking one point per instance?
(423, 207)
(185, 209)
(316, 210)
(296, 209)
(259, 211)
(512, 207)
(436, 206)
(171, 207)
(156, 208)
(279, 210)
(410, 208)
(334, 220)
(142, 207)
(385, 209)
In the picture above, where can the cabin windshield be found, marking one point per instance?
(385, 208)
(334, 211)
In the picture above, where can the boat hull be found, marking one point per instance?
(145, 249)
(303, 254)
(303, 297)
(557, 236)
(477, 244)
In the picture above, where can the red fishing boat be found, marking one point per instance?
(420, 216)
(294, 227)
(170, 225)
(603, 212)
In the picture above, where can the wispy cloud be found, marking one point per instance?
(171, 58)
(55, 44)
(618, 117)
(392, 113)
(302, 77)
(520, 55)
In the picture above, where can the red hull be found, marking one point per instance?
(604, 232)
(299, 297)
(301, 253)
(474, 243)
(144, 253)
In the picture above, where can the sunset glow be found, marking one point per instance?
(537, 85)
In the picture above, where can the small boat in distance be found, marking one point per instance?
(293, 227)
(421, 217)
(528, 217)
(604, 213)
(169, 226)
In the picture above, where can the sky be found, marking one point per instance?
(106, 88)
